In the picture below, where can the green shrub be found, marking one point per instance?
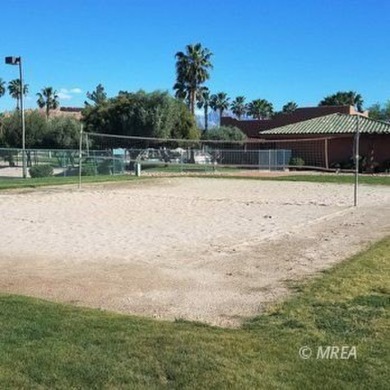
(297, 161)
(385, 166)
(226, 133)
(41, 171)
(348, 164)
(105, 167)
(10, 157)
(88, 170)
(335, 165)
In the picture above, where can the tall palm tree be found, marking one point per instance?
(2, 92)
(219, 102)
(15, 92)
(260, 109)
(289, 107)
(48, 99)
(203, 101)
(344, 98)
(2, 87)
(182, 92)
(238, 106)
(192, 70)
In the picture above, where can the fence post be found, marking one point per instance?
(357, 138)
(80, 154)
(269, 160)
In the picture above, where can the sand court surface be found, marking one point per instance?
(212, 250)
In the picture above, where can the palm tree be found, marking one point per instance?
(238, 106)
(182, 93)
(203, 101)
(98, 96)
(289, 107)
(15, 92)
(48, 99)
(2, 92)
(2, 87)
(346, 98)
(260, 109)
(192, 70)
(219, 102)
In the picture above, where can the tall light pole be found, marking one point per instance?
(18, 61)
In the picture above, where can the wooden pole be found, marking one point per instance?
(326, 154)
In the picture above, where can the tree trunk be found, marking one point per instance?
(192, 102)
(206, 118)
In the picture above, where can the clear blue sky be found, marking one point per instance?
(276, 50)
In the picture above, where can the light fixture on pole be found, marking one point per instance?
(18, 61)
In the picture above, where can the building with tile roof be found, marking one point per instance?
(252, 127)
(337, 132)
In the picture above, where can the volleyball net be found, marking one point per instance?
(117, 154)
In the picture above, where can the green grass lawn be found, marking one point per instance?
(45, 345)
(15, 183)
(335, 178)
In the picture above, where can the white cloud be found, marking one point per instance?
(67, 93)
(64, 95)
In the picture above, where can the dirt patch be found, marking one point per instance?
(211, 250)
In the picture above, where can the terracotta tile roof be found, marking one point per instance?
(332, 124)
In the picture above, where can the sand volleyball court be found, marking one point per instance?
(212, 250)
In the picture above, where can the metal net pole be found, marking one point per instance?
(357, 137)
(80, 154)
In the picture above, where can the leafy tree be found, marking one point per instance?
(2, 142)
(386, 111)
(184, 125)
(15, 92)
(260, 109)
(225, 133)
(379, 112)
(344, 98)
(48, 99)
(375, 112)
(219, 102)
(98, 96)
(155, 114)
(62, 133)
(56, 133)
(204, 102)
(2, 87)
(238, 106)
(289, 107)
(192, 70)
(36, 129)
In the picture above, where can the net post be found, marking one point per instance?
(326, 154)
(357, 137)
(80, 154)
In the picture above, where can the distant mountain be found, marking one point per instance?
(213, 119)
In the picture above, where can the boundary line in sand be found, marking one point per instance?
(292, 229)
